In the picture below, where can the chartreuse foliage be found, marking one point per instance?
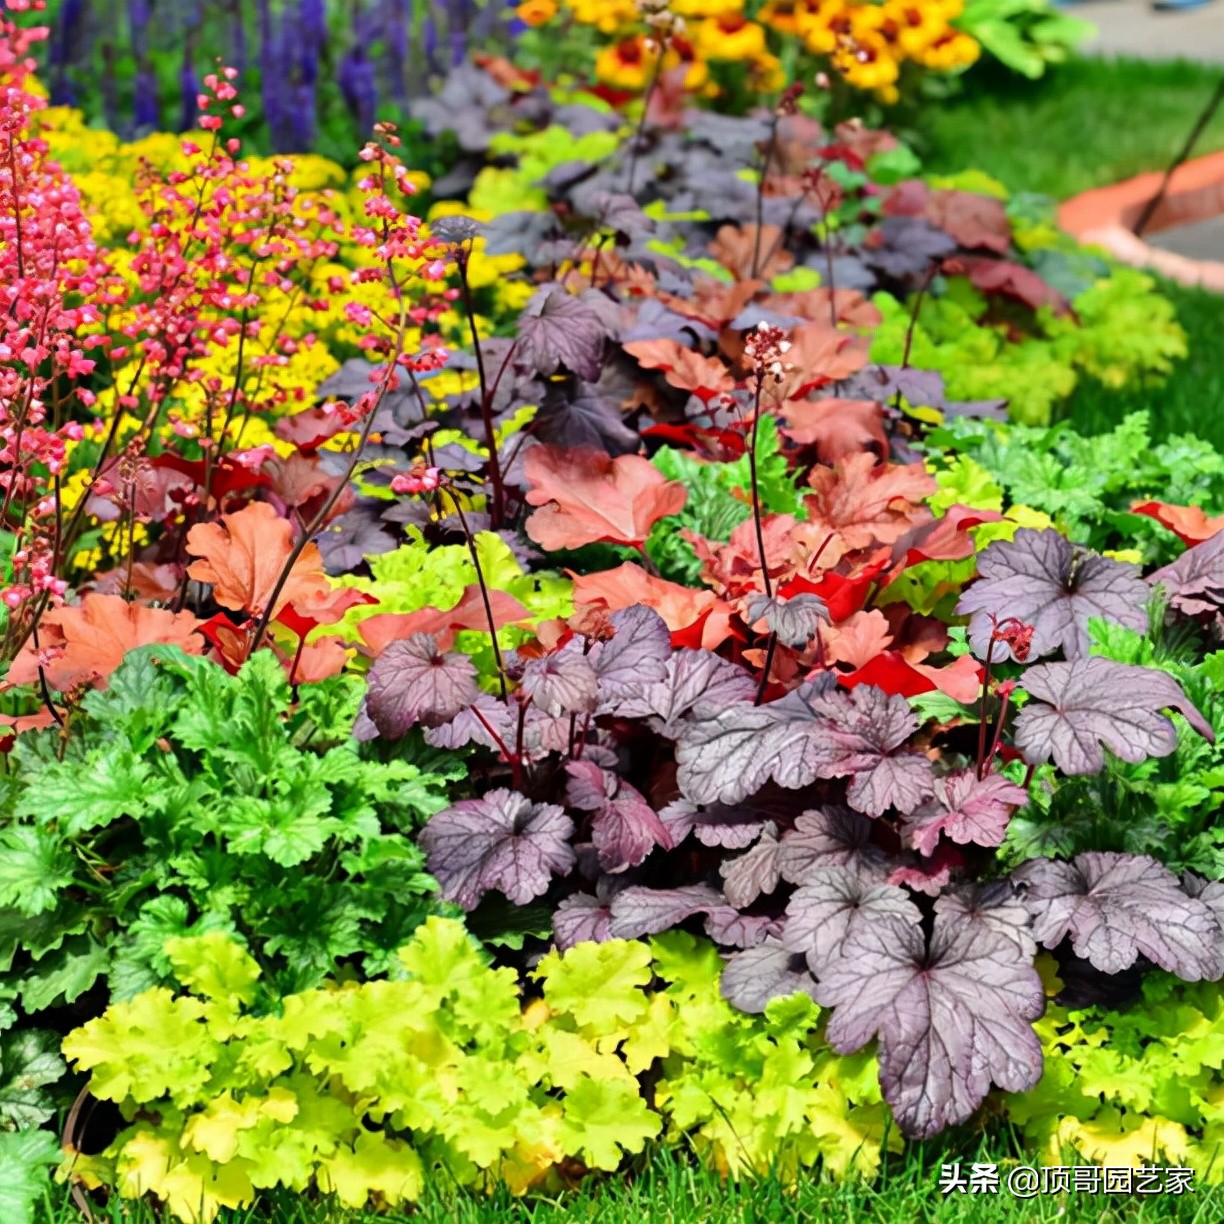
(1141, 1084)
(366, 1090)
(182, 800)
(422, 575)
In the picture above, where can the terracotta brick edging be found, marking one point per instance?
(1105, 217)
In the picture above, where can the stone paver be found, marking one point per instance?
(1202, 240)
(1132, 27)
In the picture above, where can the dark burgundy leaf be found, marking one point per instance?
(1041, 579)
(966, 810)
(501, 841)
(625, 828)
(413, 682)
(561, 684)
(829, 837)
(795, 620)
(1118, 907)
(647, 911)
(752, 979)
(951, 1018)
(1195, 581)
(747, 877)
(1080, 706)
(584, 416)
(833, 904)
(557, 330)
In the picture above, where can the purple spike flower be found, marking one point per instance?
(138, 19)
(396, 29)
(189, 89)
(147, 113)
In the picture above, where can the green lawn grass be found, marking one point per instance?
(1089, 122)
(671, 1190)
(1190, 401)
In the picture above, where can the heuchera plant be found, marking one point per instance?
(832, 840)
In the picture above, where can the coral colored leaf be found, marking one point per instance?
(1194, 582)
(1043, 580)
(588, 497)
(1083, 705)
(243, 557)
(820, 355)
(469, 613)
(865, 503)
(1189, 523)
(414, 682)
(833, 904)
(1118, 907)
(952, 1017)
(973, 220)
(683, 368)
(967, 810)
(837, 428)
(558, 330)
(85, 643)
(501, 841)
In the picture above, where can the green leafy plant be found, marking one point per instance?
(182, 799)
(1026, 36)
(367, 1089)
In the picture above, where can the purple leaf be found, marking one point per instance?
(728, 757)
(731, 827)
(647, 911)
(965, 810)
(997, 906)
(585, 416)
(831, 907)
(1043, 580)
(1194, 582)
(697, 683)
(502, 841)
(637, 654)
(1117, 907)
(769, 971)
(625, 828)
(730, 928)
(561, 684)
(868, 730)
(471, 725)
(413, 682)
(828, 837)
(1091, 702)
(951, 1018)
(795, 621)
(557, 330)
(580, 918)
(747, 877)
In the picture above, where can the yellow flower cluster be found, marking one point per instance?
(868, 42)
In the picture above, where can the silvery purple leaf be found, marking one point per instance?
(1118, 907)
(455, 229)
(1080, 706)
(731, 929)
(636, 655)
(557, 330)
(1194, 582)
(726, 758)
(472, 725)
(697, 684)
(998, 906)
(1041, 579)
(501, 841)
(580, 918)
(647, 911)
(952, 1018)
(561, 684)
(828, 837)
(795, 621)
(413, 681)
(965, 810)
(625, 828)
(731, 827)
(747, 877)
(752, 979)
(833, 904)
